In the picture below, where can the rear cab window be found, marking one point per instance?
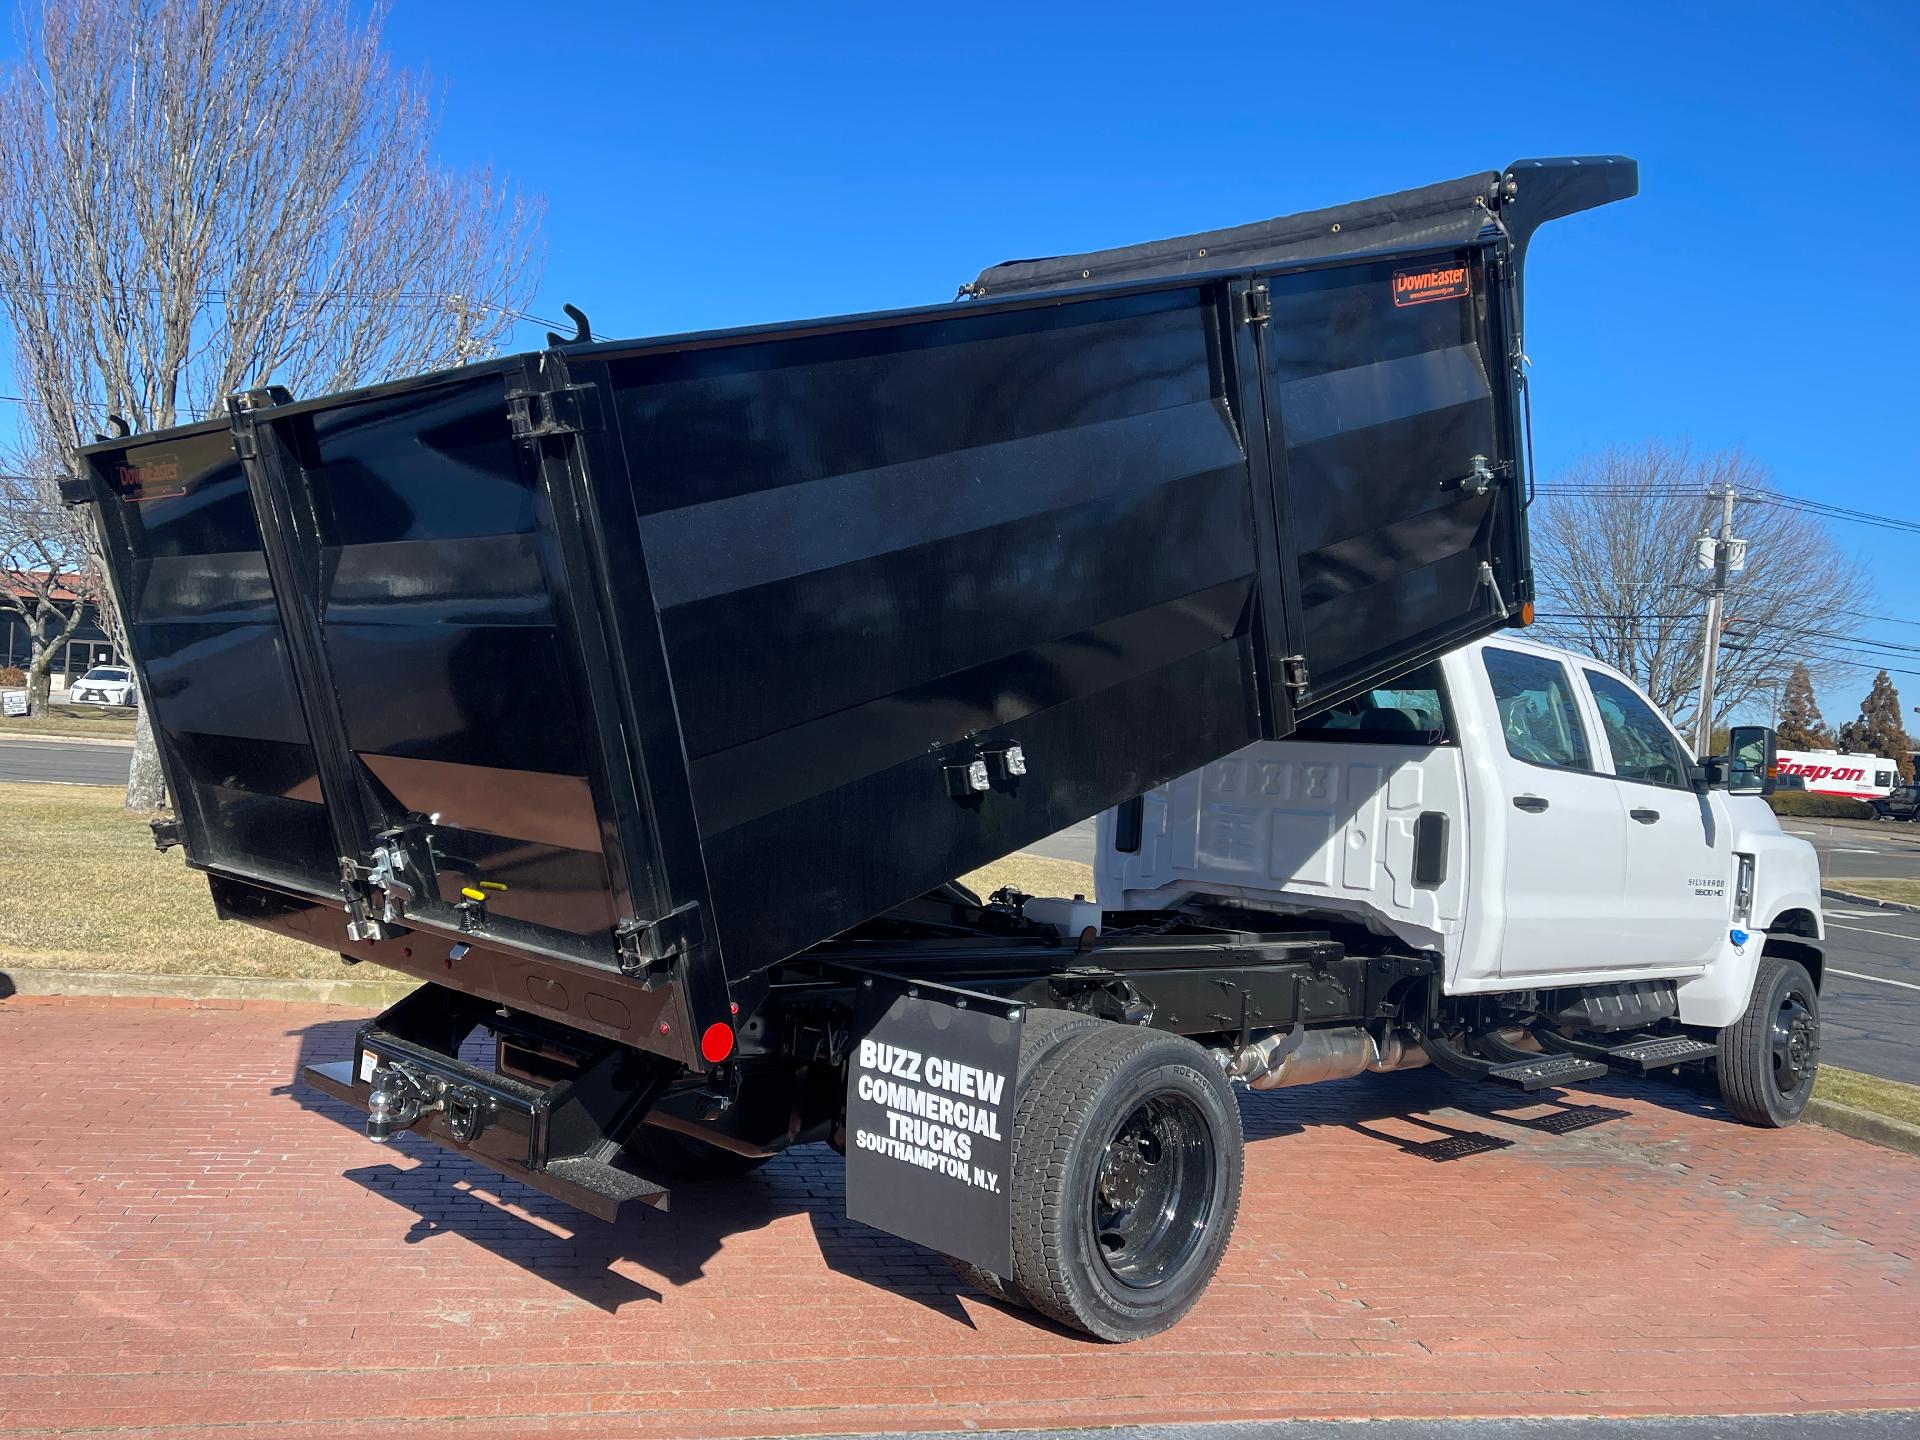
(1539, 716)
(1411, 711)
(1644, 746)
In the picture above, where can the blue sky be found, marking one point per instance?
(708, 165)
(713, 165)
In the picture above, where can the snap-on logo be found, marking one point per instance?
(153, 481)
(1439, 282)
(1822, 772)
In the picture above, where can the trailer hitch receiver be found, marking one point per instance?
(398, 1100)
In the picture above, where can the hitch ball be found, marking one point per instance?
(397, 1102)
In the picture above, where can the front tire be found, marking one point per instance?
(1127, 1160)
(1771, 1054)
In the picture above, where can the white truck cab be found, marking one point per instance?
(1523, 814)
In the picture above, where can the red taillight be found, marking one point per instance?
(716, 1043)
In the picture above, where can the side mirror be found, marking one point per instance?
(1751, 763)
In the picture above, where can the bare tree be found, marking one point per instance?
(46, 574)
(197, 196)
(1613, 547)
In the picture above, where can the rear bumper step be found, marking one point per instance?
(561, 1139)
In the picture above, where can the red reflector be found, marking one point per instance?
(716, 1043)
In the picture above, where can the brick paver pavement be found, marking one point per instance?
(189, 1239)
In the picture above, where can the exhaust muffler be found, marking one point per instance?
(1306, 1057)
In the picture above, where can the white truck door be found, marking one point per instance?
(1564, 829)
(1679, 844)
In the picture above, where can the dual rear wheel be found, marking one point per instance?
(1127, 1159)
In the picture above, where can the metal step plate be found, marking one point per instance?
(1659, 1052)
(1546, 1072)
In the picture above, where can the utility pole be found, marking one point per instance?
(1726, 557)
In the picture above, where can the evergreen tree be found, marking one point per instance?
(1801, 726)
(1880, 730)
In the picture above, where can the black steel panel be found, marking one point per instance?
(1395, 458)
(185, 561)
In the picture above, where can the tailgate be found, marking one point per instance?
(354, 622)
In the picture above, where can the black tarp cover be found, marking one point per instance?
(1451, 212)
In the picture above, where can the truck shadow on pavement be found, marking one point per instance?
(643, 1255)
(1420, 1113)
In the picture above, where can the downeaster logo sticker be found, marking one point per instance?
(1436, 282)
(155, 480)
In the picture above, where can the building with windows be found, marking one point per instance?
(87, 646)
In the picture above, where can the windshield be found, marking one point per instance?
(104, 673)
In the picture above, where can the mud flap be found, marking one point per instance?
(930, 1098)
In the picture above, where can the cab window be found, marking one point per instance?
(1643, 747)
(1538, 715)
(1412, 711)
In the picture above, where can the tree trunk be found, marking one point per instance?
(146, 786)
(40, 682)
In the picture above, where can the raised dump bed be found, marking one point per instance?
(598, 680)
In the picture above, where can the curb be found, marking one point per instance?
(107, 740)
(1828, 893)
(364, 994)
(1865, 1125)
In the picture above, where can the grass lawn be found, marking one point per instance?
(98, 722)
(1869, 1092)
(1033, 875)
(82, 888)
(1905, 891)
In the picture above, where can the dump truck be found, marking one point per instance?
(646, 699)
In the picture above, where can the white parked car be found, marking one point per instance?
(104, 685)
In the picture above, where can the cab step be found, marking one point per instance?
(1646, 1054)
(1499, 1063)
(1543, 1072)
(1637, 1055)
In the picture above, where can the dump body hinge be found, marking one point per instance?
(1259, 304)
(644, 944)
(1293, 673)
(355, 894)
(166, 833)
(1482, 472)
(563, 410)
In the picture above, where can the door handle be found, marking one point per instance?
(1645, 817)
(1532, 804)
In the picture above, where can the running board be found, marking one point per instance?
(1638, 1055)
(1506, 1065)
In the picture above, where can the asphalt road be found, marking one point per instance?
(1870, 1003)
(53, 763)
(1867, 849)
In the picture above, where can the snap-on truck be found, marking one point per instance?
(645, 698)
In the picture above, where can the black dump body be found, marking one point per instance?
(596, 681)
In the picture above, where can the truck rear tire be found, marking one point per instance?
(1127, 1158)
(1770, 1055)
(1041, 1033)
